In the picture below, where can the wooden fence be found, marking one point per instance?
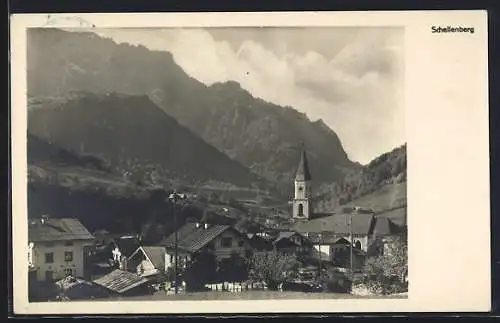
(235, 287)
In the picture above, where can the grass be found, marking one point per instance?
(386, 197)
(250, 295)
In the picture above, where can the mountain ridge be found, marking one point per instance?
(260, 135)
(120, 127)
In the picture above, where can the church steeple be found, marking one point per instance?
(303, 173)
(301, 203)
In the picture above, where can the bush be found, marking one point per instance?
(339, 285)
(273, 268)
(386, 285)
(386, 274)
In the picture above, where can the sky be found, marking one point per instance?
(351, 77)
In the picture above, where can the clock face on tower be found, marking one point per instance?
(301, 188)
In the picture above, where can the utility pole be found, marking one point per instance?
(352, 243)
(174, 197)
(319, 249)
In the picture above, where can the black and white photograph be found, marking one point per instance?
(213, 163)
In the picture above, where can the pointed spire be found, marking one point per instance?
(303, 173)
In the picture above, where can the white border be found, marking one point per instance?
(446, 103)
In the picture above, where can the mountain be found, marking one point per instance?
(380, 185)
(64, 183)
(259, 135)
(135, 137)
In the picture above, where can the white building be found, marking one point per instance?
(56, 248)
(301, 202)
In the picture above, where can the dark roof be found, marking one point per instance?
(326, 238)
(192, 238)
(127, 245)
(285, 235)
(396, 215)
(338, 224)
(120, 281)
(69, 282)
(318, 215)
(58, 229)
(303, 173)
(156, 255)
(384, 226)
(75, 288)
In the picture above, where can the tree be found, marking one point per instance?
(234, 268)
(201, 270)
(273, 268)
(387, 273)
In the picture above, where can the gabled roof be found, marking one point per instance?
(384, 226)
(397, 215)
(303, 173)
(127, 245)
(338, 224)
(120, 281)
(70, 282)
(285, 235)
(155, 254)
(192, 238)
(58, 230)
(326, 238)
(75, 288)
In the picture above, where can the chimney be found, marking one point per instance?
(206, 225)
(197, 224)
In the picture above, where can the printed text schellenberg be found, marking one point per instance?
(449, 29)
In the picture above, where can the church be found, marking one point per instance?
(302, 202)
(329, 231)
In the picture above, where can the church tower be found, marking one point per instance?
(301, 203)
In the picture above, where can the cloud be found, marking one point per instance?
(356, 90)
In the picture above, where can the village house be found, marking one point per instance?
(72, 288)
(122, 248)
(332, 235)
(111, 252)
(57, 248)
(260, 242)
(192, 238)
(150, 262)
(290, 242)
(124, 283)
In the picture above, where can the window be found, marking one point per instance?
(301, 209)
(357, 244)
(301, 188)
(68, 272)
(49, 257)
(68, 243)
(68, 256)
(227, 242)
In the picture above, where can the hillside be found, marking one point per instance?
(63, 183)
(387, 197)
(137, 138)
(379, 185)
(261, 136)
